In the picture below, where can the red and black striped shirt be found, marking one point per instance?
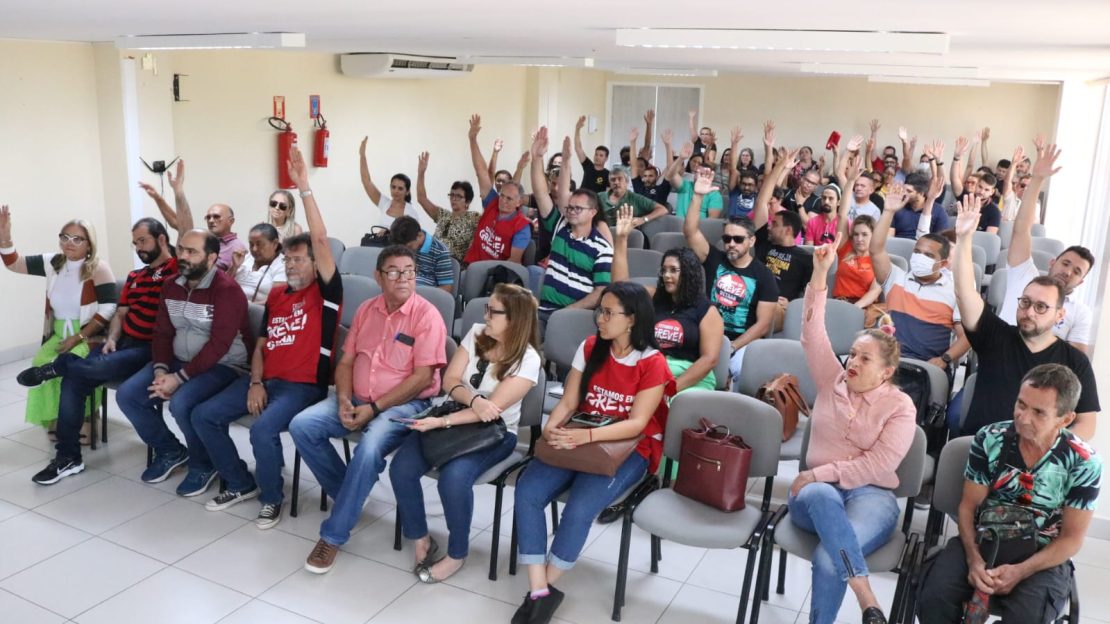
(141, 294)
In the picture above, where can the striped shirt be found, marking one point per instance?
(433, 263)
(575, 266)
(924, 314)
(141, 293)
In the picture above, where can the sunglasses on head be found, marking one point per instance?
(279, 205)
(728, 238)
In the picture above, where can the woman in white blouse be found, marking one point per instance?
(397, 203)
(494, 368)
(265, 268)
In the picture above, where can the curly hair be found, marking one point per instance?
(691, 280)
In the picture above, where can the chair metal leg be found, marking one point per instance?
(512, 546)
(554, 516)
(296, 483)
(622, 566)
(396, 528)
(104, 416)
(908, 517)
(92, 413)
(745, 589)
(347, 449)
(781, 587)
(655, 548)
(495, 542)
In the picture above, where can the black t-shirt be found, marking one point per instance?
(678, 331)
(737, 292)
(989, 216)
(790, 201)
(1003, 361)
(657, 193)
(791, 266)
(594, 179)
(701, 148)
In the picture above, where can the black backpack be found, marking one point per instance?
(499, 274)
(913, 379)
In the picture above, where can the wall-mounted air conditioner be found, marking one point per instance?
(377, 65)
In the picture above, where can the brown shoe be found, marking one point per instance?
(322, 557)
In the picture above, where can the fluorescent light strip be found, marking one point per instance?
(789, 40)
(918, 71)
(529, 61)
(216, 41)
(662, 71)
(945, 82)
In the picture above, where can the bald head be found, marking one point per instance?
(220, 218)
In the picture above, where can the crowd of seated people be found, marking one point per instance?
(179, 337)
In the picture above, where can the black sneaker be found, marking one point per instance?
(227, 498)
(269, 516)
(524, 612)
(873, 615)
(544, 608)
(35, 375)
(611, 513)
(57, 470)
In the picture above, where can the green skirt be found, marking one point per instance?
(709, 382)
(42, 400)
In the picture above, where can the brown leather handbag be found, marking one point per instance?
(602, 458)
(713, 467)
(784, 394)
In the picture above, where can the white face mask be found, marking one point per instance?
(921, 265)
(923, 168)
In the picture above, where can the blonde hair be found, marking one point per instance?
(91, 260)
(520, 308)
(289, 228)
(889, 349)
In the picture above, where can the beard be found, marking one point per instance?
(295, 283)
(1034, 332)
(148, 256)
(191, 271)
(735, 254)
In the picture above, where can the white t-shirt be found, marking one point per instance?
(410, 211)
(529, 369)
(65, 294)
(869, 209)
(256, 285)
(633, 357)
(1078, 317)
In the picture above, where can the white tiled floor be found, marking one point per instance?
(105, 547)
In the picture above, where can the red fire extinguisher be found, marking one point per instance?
(322, 143)
(286, 140)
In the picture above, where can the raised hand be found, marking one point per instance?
(1019, 155)
(475, 126)
(687, 150)
(896, 198)
(5, 226)
(853, 170)
(649, 116)
(633, 136)
(854, 143)
(821, 163)
(736, 136)
(1039, 143)
(936, 188)
(825, 255)
(938, 149)
(928, 150)
(769, 133)
(177, 182)
(422, 162)
(978, 138)
(150, 191)
(667, 135)
(967, 216)
(524, 158)
(580, 124)
(903, 134)
(566, 151)
(875, 126)
(498, 144)
(539, 143)
(693, 114)
(1043, 168)
(624, 221)
(962, 146)
(362, 147)
(788, 158)
(298, 170)
(986, 133)
(703, 181)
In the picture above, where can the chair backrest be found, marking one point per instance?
(712, 229)
(635, 239)
(566, 329)
(475, 276)
(948, 483)
(449, 348)
(665, 241)
(842, 321)
(757, 422)
(997, 289)
(256, 311)
(646, 282)
(1006, 233)
(356, 290)
(666, 223)
(1042, 258)
(644, 262)
(473, 313)
(340, 339)
(938, 381)
(337, 248)
(965, 400)
(766, 358)
(531, 407)
(528, 258)
(991, 245)
(900, 247)
(721, 371)
(900, 262)
(359, 261)
(978, 270)
(909, 472)
(1051, 246)
(1038, 230)
(443, 301)
(979, 255)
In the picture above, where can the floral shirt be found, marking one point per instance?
(456, 230)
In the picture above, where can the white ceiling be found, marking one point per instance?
(1019, 40)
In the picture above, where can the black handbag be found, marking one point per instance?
(378, 236)
(1006, 533)
(444, 444)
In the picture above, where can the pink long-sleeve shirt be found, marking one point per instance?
(855, 439)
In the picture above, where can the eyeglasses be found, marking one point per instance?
(456, 196)
(573, 208)
(492, 311)
(476, 378)
(279, 205)
(1039, 307)
(510, 198)
(605, 314)
(669, 271)
(739, 240)
(71, 239)
(296, 260)
(395, 274)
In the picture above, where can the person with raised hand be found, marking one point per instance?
(455, 225)
(855, 275)
(619, 195)
(646, 178)
(503, 232)
(595, 176)
(776, 236)
(399, 201)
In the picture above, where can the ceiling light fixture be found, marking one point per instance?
(530, 61)
(216, 41)
(788, 40)
(876, 69)
(663, 71)
(944, 82)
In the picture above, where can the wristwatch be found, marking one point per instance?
(947, 359)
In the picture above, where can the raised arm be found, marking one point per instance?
(368, 185)
(768, 145)
(562, 188)
(925, 221)
(880, 259)
(693, 116)
(815, 337)
(321, 247)
(12, 260)
(735, 137)
(967, 295)
(539, 176)
(578, 151)
(849, 173)
(491, 169)
(164, 208)
(183, 216)
(985, 134)
(872, 140)
(675, 177)
(633, 136)
(518, 174)
(1021, 244)
(955, 172)
(485, 182)
(649, 129)
(760, 212)
(907, 149)
(703, 184)
(428, 205)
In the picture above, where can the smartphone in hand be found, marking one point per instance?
(591, 420)
(834, 141)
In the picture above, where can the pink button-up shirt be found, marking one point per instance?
(387, 347)
(855, 439)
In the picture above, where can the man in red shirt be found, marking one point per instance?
(503, 232)
(388, 373)
(290, 368)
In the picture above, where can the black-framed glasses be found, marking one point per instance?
(456, 196)
(395, 274)
(74, 239)
(491, 311)
(665, 271)
(476, 378)
(279, 205)
(1039, 307)
(605, 314)
(728, 238)
(573, 208)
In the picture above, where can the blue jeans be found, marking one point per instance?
(456, 489)
(349, 484)
(589, 495)
(857, 521)
(81, 377)
(145, 414)
(284, 400)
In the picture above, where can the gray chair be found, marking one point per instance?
(900, 247)
(939, 391)
(1005, 233)
(1042, 259)
(1038, 230)
(712, 229)
(636, 239)
(644, 262)
(979, 256)
(337, 248)
(965, 400)
(665, 241)
(666, 223)
(721, 370)
(475, 277)
(670, 516)
(766, 358)
(646, 282)
(473, 313)
(566, 329)
(842, 321)
(528, 258)
(356, 290)
(977, 269)
(443, 301)
(894, 555)
(991, 245)
(102, 416)
(359, 261)
(900, 262)
(1050, 246)
(996, 290)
